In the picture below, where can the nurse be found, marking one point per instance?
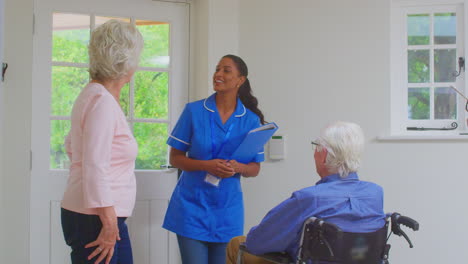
(206, 209)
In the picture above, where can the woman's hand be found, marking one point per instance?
(237, 166)
(219, 167)
(108, 236)
(247, 170)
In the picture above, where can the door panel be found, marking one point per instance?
(151, 243)
(60, 252)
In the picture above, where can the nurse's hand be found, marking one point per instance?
(247, 170)
(220, 168)
(236, 166)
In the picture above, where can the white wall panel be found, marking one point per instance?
(151, 243)
(2, 236)
(16, 130)
(139, 234)
(159, 237)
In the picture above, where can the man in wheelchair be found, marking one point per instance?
(339, 197)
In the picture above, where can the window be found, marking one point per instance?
(427, 45)
(145, 100)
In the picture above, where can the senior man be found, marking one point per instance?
(338, 197)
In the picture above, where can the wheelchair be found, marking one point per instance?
(324, 242)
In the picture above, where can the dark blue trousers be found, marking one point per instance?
(201, 252)
(81, 229)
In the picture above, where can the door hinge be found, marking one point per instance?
(34, 24)
(30, 160)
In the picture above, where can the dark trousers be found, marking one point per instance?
(81, 229)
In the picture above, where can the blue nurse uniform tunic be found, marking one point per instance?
(197, 209)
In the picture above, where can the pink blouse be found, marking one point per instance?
(102, 151)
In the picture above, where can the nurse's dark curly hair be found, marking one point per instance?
(245, 92)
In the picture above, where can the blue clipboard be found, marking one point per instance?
(254, 142)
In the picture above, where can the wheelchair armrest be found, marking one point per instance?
(242, 247)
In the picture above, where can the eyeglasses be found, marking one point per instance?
(315, 145)
(319, 147)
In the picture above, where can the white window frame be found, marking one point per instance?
(398, 66)
(130, 116)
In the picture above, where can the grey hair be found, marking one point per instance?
(345, 144)
(114, 50)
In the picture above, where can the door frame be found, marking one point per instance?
(40, 163)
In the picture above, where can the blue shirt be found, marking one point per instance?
(197, 209)
(351, 204)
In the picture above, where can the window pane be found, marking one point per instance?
(445, 28)
(67, 83)
(58, 155)
(445, 104)
(418, 103)
(156, 38)
(418, 66)
(99, 20)
(152, 148)
(125, 99)
(444, 65)
(70, 38)
(418, 29)
(151, 95)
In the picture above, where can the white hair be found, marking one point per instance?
(114, 50)
(345, 144)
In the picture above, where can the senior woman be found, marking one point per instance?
(101, 188)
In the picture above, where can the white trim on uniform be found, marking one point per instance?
(204, 104)
(186, 143)
(211, 110)
(242, 113)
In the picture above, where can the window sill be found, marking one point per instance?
(425, 137)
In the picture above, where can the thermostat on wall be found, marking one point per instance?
(277, 147)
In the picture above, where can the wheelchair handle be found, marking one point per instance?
(408, 222)
(398, 219)
(324, 226)
(331, 228)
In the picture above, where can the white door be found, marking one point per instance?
(152, 102)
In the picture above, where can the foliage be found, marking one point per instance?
(445, 103)
(418, 66)
(67, 83)
(419, 63)
(444, 65)
(418, 103)
(445, 26)
(151, 138)
(418, 29)
(149, 94)
(156, 47)
(70, 45)
(58, 156)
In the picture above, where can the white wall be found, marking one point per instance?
(313, 62)
(16, 131)
(1, 133)
(199, 50)
(215, 33)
